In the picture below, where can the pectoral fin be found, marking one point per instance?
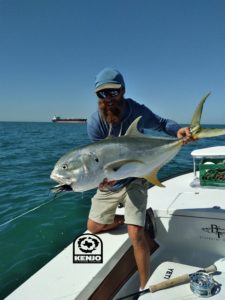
(152, 178)
(122, 168)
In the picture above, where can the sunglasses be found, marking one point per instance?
(108, 93)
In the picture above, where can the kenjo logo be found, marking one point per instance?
(87, 248)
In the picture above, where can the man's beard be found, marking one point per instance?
(111, 111)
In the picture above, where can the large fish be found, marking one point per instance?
(131, 155)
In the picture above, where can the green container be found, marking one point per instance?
(212, 172)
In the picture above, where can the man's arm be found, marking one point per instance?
(170, 127)
(155, 122)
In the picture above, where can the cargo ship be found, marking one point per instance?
(56, 119)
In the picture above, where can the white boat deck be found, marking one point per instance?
(191, 230)
(190, 223)
(185, 193)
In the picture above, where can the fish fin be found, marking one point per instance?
(133, 129)
(196, 130)
(209, 132)
(152, 177)
(196, 118)
(121, 168)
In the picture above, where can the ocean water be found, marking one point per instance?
(35, 226)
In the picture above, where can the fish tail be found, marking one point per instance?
(195, 126)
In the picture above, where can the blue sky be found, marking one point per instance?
(171, 53)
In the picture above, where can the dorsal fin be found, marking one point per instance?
(133, 129)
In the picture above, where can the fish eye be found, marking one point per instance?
(96, 159)
(65, 167)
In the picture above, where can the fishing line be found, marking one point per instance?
(27, 212)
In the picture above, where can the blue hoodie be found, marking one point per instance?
(99, 129)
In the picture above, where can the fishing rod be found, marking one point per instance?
(218, 265)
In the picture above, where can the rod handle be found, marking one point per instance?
(177, 280)
(169, 283)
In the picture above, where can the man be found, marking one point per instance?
(114, 115)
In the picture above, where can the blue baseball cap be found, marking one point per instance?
(109, 78)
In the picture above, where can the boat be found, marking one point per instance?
(187, 226)
(57, 119)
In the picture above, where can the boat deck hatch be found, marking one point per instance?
(199, 203)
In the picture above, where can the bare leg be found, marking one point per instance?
(95, 227)
(141, 252)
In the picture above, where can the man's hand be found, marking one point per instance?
(105, 184)
(185, 133)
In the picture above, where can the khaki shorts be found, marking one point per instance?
(133, 197)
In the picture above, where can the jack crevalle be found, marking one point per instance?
(131, 155)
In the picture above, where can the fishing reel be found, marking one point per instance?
(203, 284)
